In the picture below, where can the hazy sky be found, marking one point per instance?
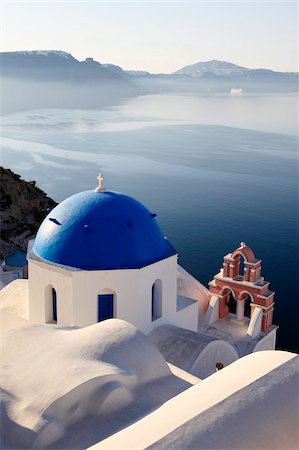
(157, 36)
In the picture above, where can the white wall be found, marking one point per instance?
(268, 342)
(186, 317)
(89, 284)
(166, 271)
(41, 277)
(133, 294)
(77, 294)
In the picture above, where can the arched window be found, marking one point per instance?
(232, 305)
(247, 298)
(230, 301)
(50, 305)
(157, 300)
(54, 305)
(237, 268)
(241, 266)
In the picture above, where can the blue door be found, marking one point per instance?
(105, 307)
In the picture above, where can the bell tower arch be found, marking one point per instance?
(249, 288)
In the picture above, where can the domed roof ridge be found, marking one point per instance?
(102, 229)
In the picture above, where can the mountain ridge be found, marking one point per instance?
(54, 79)
(215, 66)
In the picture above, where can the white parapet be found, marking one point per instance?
(255, 325)
(239, 395)
(213, 310)
(190, 287)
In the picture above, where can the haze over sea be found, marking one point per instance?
(217, 170)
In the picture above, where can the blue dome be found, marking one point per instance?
(101, 230)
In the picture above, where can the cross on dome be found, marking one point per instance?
(101, 179)
(100, 187)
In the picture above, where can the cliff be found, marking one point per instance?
(23, 207)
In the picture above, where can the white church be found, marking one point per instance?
(101, 255)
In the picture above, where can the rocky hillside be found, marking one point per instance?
(23, 207)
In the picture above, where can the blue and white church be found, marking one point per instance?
(101, 254)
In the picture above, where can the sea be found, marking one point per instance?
(217, 170)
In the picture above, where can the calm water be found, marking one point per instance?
(216, 170)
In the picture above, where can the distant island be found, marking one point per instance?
(55, 79)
